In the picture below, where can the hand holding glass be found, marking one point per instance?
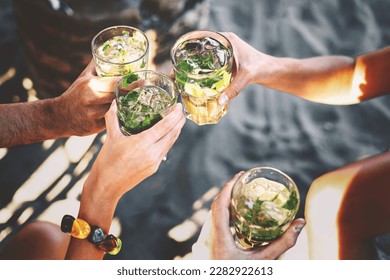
(143, 98)
(264, 202)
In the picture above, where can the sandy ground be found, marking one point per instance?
(161, 218)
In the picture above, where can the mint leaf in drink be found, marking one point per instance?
(129, 79)
(136, 124)
(248, 217)
(131, 96)
(257, 206)
(124, 32)
(292, 201)
(143, 64)
(245, 230)
(208, 82)
(181, 79)
(269, 223)
(184, 65)
(206, 62)
(106, 46)
(250, 214)
(150, 120)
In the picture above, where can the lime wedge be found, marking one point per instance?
(194, 90)
(223, 83)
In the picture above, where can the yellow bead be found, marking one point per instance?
(117, 248)
(80, 229)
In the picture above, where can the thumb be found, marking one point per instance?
(112, 122)
(235, 87)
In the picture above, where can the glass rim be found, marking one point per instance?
(153, 113)
(150, 71)
(120, 26)
(174, 47)
(174, 98)
(246, 173)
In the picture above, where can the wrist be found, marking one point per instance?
(265, 68)
(54, 109)
(96, 206)
(271, 69)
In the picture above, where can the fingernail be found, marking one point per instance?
(298, 228)
(223, 99)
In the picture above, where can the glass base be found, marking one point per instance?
(203, 120)
(245, 244)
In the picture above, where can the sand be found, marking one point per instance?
(161, 218)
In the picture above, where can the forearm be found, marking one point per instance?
(335, 80)
(97, 210)
(320, 79)
(25, 123)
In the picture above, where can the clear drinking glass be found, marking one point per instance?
(202, 63)
(264, 202)
(119, 50)
(143, 98)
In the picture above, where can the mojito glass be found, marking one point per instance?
(143, 98)
(202, 63)
(119, 50)
(264, 203)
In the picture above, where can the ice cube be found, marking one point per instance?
(221, 54)
(119, 46)
(269, 211)
(210, 44)
(155, 98)
(145, 96)
(156, 105)
(195, 45)
(181, 55)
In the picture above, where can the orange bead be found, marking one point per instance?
(111, 244)
(80, 229)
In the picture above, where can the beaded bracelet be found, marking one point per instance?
(80, 229)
